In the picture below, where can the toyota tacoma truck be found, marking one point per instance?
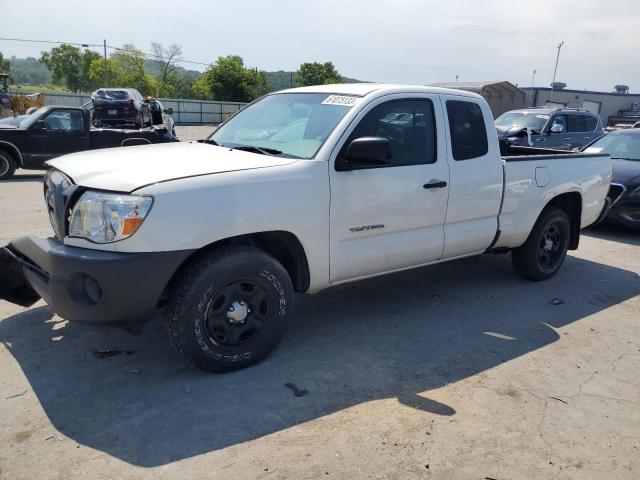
(301, 190)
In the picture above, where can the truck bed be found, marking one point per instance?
(533, 176)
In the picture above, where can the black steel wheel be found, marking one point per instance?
(542, 255)
(229, 308)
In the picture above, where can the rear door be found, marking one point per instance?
(392, 217)
(476, 175)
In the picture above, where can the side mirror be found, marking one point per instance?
(556, 128)
(168, 111)
(39, 125)
(365, 152)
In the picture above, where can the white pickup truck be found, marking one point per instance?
(301, 190)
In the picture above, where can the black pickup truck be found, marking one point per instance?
(53, 131)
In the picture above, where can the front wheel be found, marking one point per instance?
(542, 255)
(230, 308)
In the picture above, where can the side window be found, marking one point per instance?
(590, 123)
(64, 120)
(559, 120)
(575, 123)
(409, 125)
(467, 129)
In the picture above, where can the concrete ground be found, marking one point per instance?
(458, 371)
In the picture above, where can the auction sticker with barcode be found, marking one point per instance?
(344, 100)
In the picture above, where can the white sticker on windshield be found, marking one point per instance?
(593, 150)
(343, 100)
(546, 117)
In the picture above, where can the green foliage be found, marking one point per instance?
(317, 74)
(130, 71)
(229, 80)
(29, 71)
(70, 65)
(5, 65)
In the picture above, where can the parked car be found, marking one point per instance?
(161, 116)
(55, 130)
(558, 128)
(223, 232)
(624, 148)
(120, 107)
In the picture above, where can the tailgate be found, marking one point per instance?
(14, 287)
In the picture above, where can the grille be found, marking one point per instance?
(615, 192)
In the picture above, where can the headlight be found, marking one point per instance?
(107, 217)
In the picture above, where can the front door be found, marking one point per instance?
(62, 131)
(392, 217)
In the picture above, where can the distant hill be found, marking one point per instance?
(281, 79)
(29, 71)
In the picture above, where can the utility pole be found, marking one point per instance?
(291, 80)
(532, 79)
(555, 70)
(457, 77)
(104, 44)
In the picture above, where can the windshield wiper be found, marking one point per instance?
(624, 158)
(209, 141)
(260, 150)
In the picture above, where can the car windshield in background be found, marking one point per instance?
(296, 124)
(618, 145)
(531, 120)
(29, 120)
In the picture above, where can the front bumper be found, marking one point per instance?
(625, 211)
(91, 286)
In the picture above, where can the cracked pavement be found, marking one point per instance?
(460, 370)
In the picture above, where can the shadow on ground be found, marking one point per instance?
(395, 336)
(616, 233)
(20, 176)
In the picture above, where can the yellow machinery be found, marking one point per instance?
(12, 104)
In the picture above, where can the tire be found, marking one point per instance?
(7, 164)
(542, 255)
(203, 326)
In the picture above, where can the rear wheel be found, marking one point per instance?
(230, 308)
(7, 164)
(542, 255)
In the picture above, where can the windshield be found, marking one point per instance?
(618, 145)
(532, 120)
(29, 120)
(295, 124)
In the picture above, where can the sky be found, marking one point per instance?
(401, 41)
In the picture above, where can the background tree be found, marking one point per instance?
(5, 66)
(166, 59)
(130, 71)
(317, 74)
(70, 65)
(229, 80)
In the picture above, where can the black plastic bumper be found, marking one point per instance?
(91, 286)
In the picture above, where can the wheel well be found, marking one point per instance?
(13, 151)
(571, 203)
(283, 246)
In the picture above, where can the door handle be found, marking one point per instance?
(440, 184)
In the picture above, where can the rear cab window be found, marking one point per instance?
(467, 130)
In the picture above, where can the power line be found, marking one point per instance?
(86, 45)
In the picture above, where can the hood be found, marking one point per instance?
(625, 170)
(508, 131)
(126, 169)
